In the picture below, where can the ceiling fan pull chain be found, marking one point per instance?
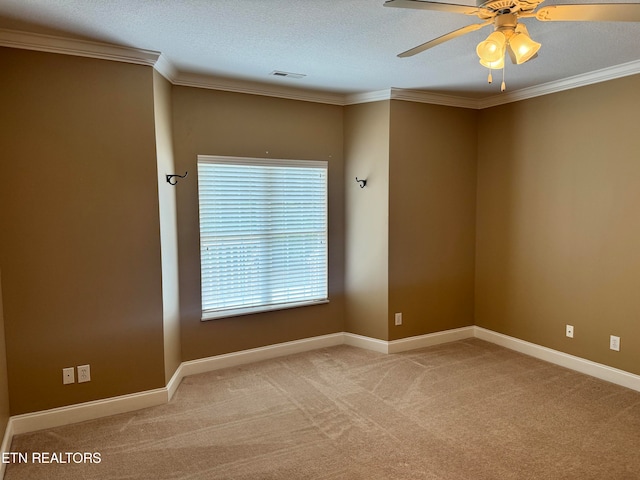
(503, 87)
(490, 79)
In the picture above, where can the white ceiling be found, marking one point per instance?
(342, 46)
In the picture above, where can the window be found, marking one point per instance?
(263, 234)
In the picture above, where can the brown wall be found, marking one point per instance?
(84, 208)
(212, 122)
(80, 244)
(558, 228)
(432, 202)
(366, 147)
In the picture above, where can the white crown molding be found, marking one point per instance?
(79, 48)
(433, 98)
(165, 68)
(597, 76)
(104, 51)
(367, 97)
(257, 88)
(418, 96)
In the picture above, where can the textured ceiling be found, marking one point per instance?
(342, 46)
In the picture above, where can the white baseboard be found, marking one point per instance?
(30, 422)
(174, 383)
(409, 343)
(430, 339)
(56, 417)
(367, 343)
(6, 444)
(209, 364)
(598, 370)
(80, 412)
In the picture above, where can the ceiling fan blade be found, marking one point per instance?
(456, 33)
(595, 12)
(441, 7)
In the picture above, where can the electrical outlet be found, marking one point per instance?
(84, 373)
(614, 343)
(570, 331)
(398, 318)
(68, 375)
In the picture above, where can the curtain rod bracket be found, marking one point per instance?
(171, 180)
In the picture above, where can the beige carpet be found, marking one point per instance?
(464, 410)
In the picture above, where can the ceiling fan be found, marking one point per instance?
(509, 36)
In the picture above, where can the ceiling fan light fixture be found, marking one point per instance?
(492, 49)
(497, 65)
(521, 45)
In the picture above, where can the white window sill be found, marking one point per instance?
(251, 310)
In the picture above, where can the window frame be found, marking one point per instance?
(213, 314)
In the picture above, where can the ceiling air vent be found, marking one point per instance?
(277, 73)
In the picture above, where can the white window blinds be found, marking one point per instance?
(263, 234)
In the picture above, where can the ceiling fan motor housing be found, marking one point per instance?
(506, 23)
(497, 5)
(508, 6)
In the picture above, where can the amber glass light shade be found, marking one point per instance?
(492, 49)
